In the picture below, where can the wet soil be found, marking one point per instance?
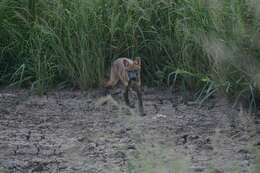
(76, 132)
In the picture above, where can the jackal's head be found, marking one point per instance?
(133, 69)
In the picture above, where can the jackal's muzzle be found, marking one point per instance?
(133, 75)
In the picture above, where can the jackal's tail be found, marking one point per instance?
(107, 84)
(113, 79)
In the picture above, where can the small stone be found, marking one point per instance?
(131, 147)
(120, 154)
(208, 140)
(243, 151)
(92, 145)
(28, 136)
(193, 137)
(62, 168)
(185, 139)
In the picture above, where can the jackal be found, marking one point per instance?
(129, 73)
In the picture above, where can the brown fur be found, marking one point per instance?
(119, 72)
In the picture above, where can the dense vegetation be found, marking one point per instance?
(208, 45)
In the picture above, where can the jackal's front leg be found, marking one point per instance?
(126, 96)
(140, 100)
(126, 93)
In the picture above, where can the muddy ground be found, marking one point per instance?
(75, 132)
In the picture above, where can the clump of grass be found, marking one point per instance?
(222, 34)
(155, 158)
(52, 42)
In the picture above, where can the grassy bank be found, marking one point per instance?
(208, 45)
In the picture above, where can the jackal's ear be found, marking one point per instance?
(137, 61)
(126, 63)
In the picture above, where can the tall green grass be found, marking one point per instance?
(206, 44)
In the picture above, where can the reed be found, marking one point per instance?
(215, 44)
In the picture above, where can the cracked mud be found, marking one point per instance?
(71, 131)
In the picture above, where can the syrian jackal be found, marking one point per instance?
(129, 73)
